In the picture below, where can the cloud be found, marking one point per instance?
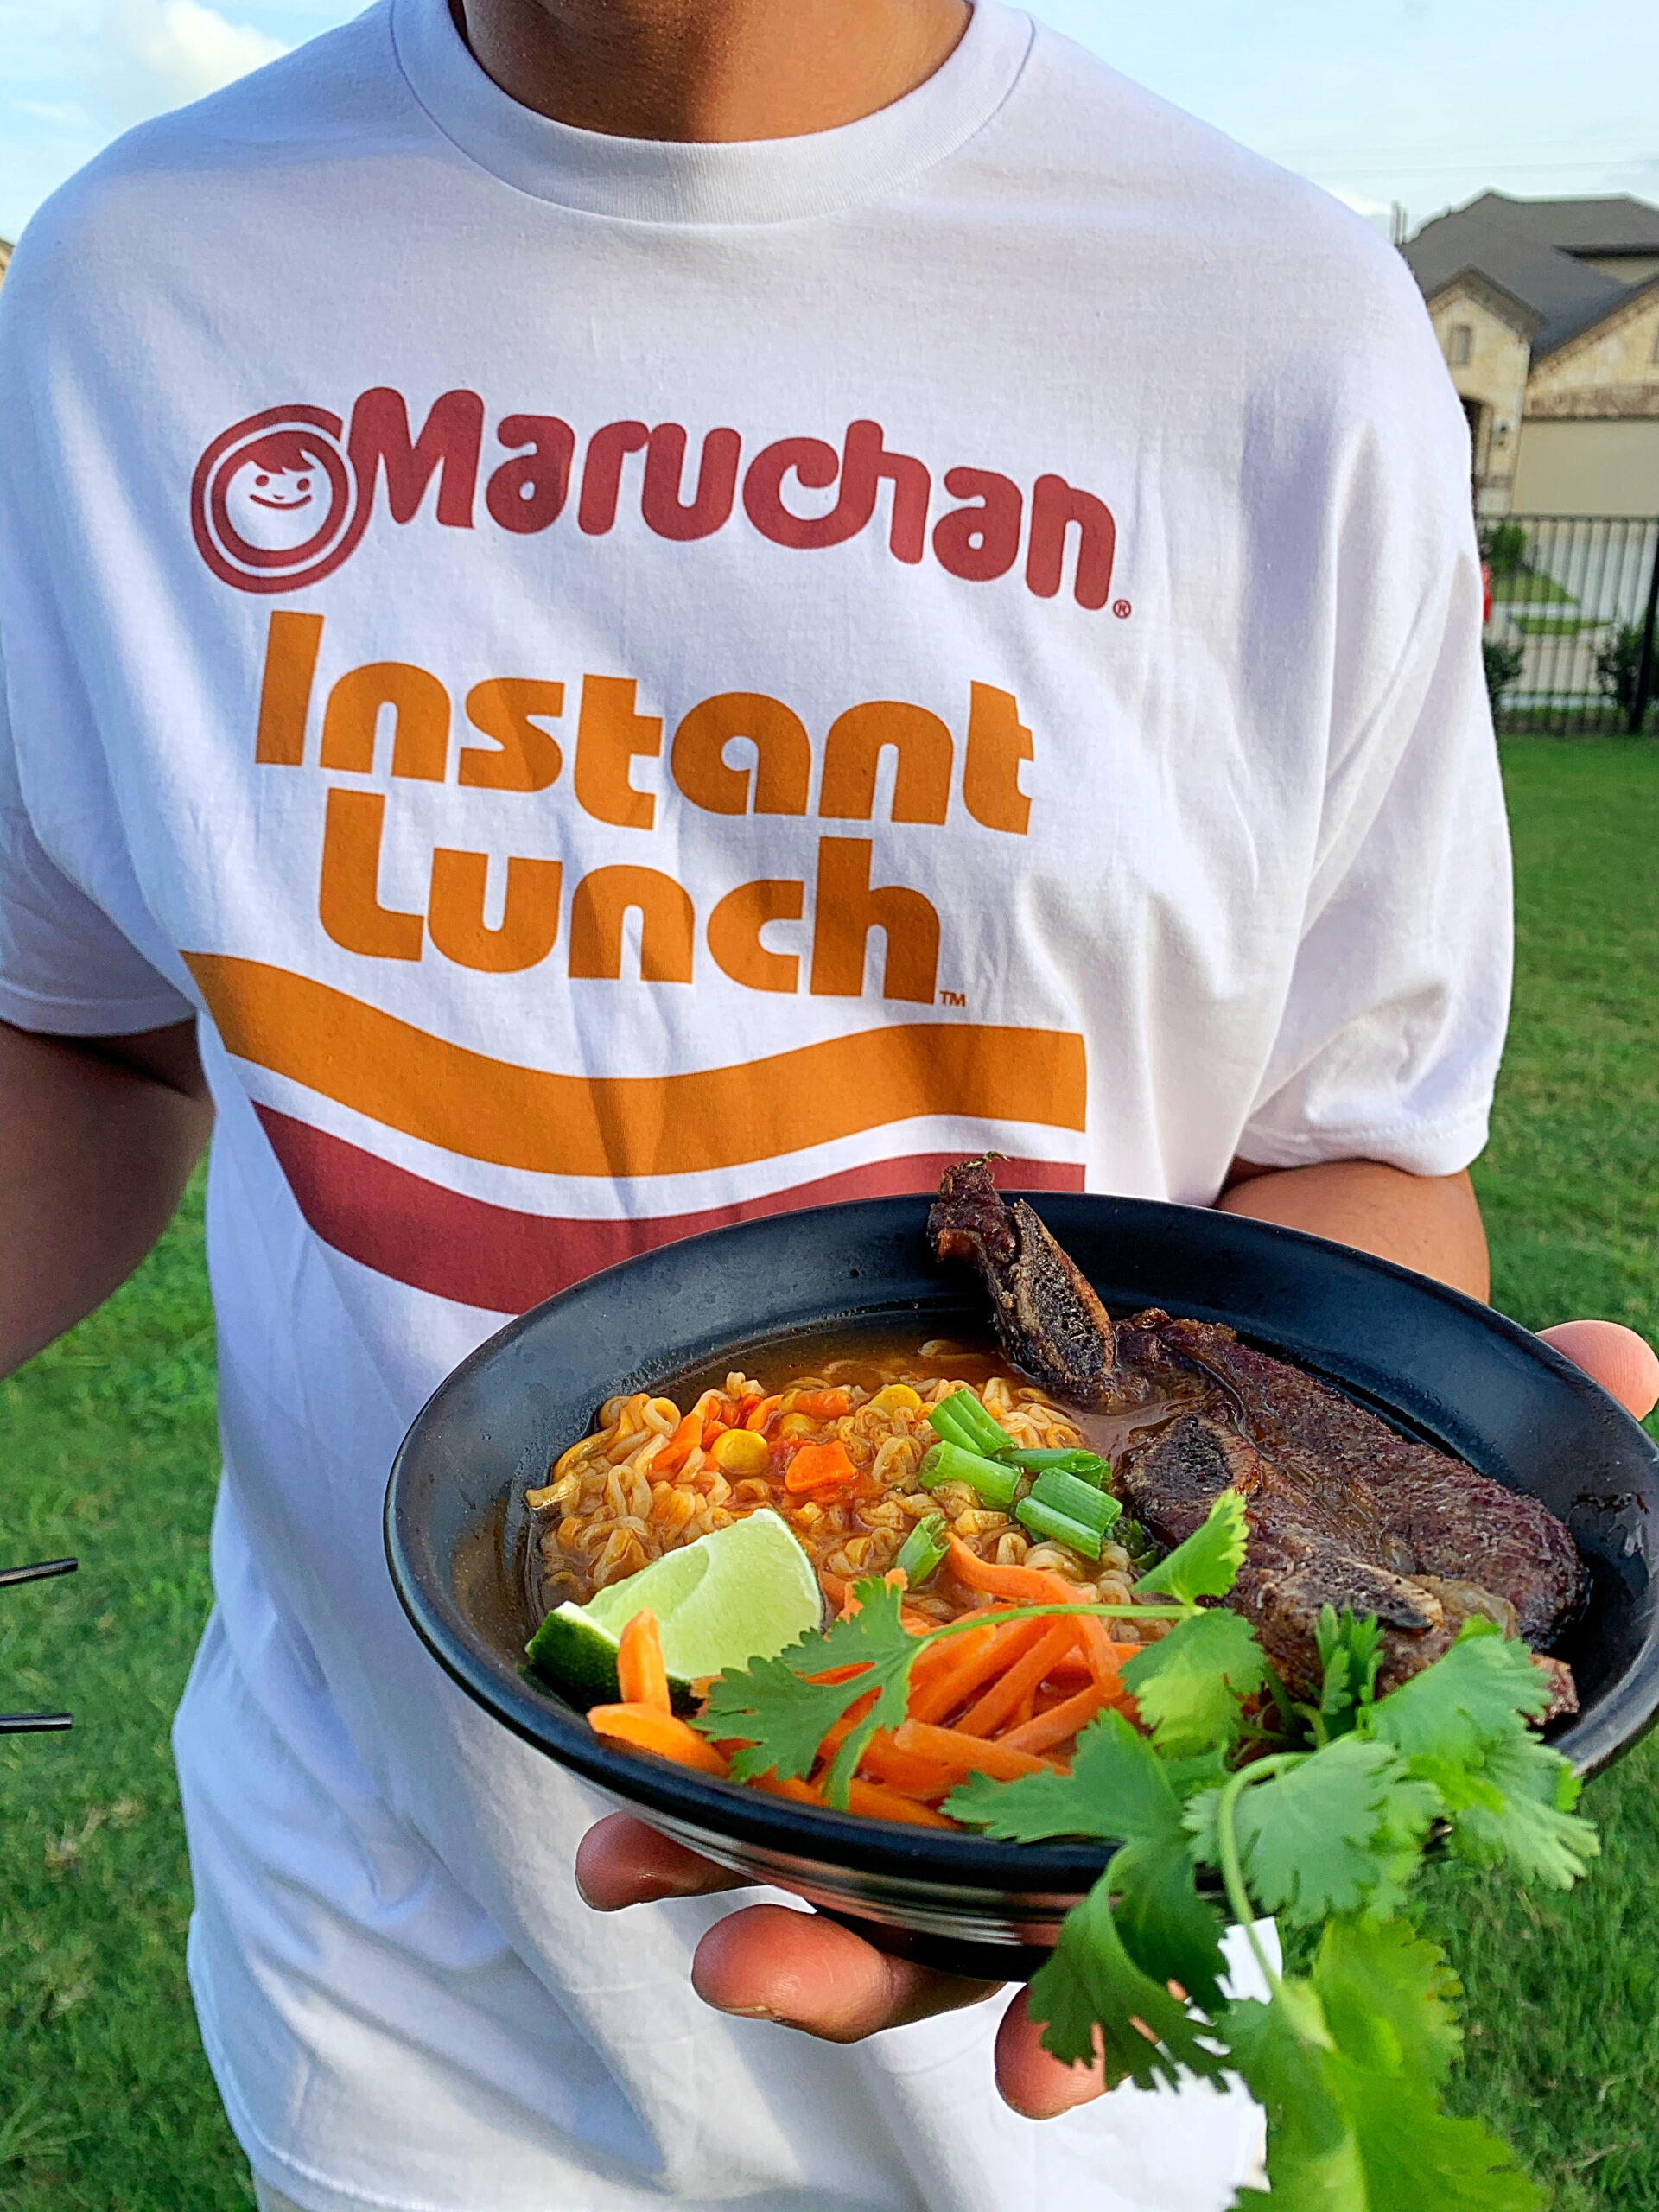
(144, 56)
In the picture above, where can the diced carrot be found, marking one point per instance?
(640, 1674)
(1060, 1720)
(816, 1467)
(647, 1730)
(680, 1446)
(1003, 1698)
(877, 1803)
(981, 1661)
(760, 1415)
(822, 1405)
(967, 1754)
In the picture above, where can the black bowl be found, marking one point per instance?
(1437, 1364)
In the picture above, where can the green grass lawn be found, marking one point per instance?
(108, 1446)
(1529, 587)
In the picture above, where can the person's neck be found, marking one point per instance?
(709, 70)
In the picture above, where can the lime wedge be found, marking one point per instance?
(741, 1593)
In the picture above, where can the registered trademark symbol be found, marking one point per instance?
(1121, 608)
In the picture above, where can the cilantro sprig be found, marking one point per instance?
(1319, 1812)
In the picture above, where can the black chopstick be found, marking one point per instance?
(36, 1724)
(38, 1573)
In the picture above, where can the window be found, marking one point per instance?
(1459, 343)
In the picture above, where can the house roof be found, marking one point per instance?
(1533, 250)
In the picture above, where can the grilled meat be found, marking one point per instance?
(1342, 1510)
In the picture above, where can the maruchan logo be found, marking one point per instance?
(282, 499)
(275, 503)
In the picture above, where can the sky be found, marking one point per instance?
(1424, 102)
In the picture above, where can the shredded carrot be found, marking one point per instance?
(981, 1660)
(912, 1777)
(775, 1785)
(640, 1674)
(967, 1754)
(1030, 1586)
(647, 1730)
(876, 1804)
(1060, 1720)
(820, 1468)
(867, 1798)
(1004, 1698)
(762, 1413)
(822, 1405)
(680, 1446)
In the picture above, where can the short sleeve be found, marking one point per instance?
(1392, 1028)
(65, 969)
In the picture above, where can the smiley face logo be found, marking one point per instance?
(275, 504)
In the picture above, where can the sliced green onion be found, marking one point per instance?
(1077, 1500)
(1044, 1521)
(1088, 1466)
(960, 1419)
(949, 1463)
(923, 1549)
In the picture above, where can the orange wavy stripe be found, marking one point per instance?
(615, 1126)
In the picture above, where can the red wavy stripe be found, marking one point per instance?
(465, 1248)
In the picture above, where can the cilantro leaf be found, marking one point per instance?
(1207, 1564)
(1189, 1685)
(1169, 1931)
(1480, 1692)
(1349, 2063)
(1118, 1790)
(1515, 1810)
(1350, 1651)
(1092, 1979)
(1308, 1839)
(780, 1710)
(1390, 1999)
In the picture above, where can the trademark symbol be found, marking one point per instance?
(953, 998)
(1121, 608)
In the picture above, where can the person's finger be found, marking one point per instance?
(1035, 2083)
(620, 1861)
(806, 1971)
(1624, 1364)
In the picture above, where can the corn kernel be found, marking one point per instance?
(896, 1397)
(741, 1451)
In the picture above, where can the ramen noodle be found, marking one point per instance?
(654, 1476)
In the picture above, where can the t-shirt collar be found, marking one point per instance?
(755, 181)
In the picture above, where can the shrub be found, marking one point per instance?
(1504, 546)
(1503, 665)
(1618, 665)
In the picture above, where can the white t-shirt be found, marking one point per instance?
(631, 684)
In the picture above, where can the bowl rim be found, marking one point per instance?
(820, 1834)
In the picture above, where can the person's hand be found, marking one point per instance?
(804, 1971)
(1624, 1364)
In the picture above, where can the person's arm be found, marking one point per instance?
(1431, 1222)
(97, 1136)
(805, 1972)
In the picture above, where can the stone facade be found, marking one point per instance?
(1547, 315)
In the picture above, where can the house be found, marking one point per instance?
(1547, 313)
